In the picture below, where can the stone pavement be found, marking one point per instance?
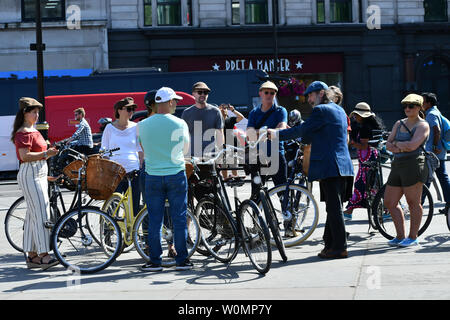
(373, 270)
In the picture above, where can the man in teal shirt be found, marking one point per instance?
(165, 141)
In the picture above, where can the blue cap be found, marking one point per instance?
(315, 86)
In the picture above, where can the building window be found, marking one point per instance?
(320, 11)
(340, 10)
(148, 21)
(256, 12)
(435, 10)
(167, 13)
(334, 11)
(51, 10)
(235, 12)
(251, 12)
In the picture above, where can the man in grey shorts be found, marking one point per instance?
(204, 121)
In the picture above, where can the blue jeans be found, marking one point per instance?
(444, 181)
(157, 190)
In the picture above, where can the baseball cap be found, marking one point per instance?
(165, 94)
(315, 86)
(150, 98)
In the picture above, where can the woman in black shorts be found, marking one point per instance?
(408, 171)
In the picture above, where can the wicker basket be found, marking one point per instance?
(71, 172)
(102, 176)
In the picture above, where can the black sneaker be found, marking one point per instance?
(186, 265)
(150, 266)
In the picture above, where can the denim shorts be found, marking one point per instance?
(407, 171)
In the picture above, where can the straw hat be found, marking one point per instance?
(362, 109)
(268, 85)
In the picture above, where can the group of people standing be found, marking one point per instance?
(158, 145)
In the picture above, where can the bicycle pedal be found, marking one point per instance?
(49, 225)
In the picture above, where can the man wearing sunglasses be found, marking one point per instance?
(204, 121)
(83, 135)
(269, 114)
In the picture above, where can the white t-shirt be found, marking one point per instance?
(127, 141)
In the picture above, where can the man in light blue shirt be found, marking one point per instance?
(165, 140)
(434, 143)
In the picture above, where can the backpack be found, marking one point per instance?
(445, 132)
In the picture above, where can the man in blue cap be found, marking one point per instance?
(330, 163)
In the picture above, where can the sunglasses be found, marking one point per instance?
(409, 106)
(269, 92)
(129, 109)
(200, 92)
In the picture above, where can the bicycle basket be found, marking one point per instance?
(71, 172)
(103, 177)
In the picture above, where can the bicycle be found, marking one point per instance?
(135, 229)
(15, 216)
(225, 230)
(78, 240)
(294, 203)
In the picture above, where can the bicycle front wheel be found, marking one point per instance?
(273, 224)
(255, 236)
(302, 206)
(140, 237)
(73, 240)
(14, 223)
(218, 230)
(383, 219)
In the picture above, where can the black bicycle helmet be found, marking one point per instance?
(150, 98)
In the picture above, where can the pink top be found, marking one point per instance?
(34, 141)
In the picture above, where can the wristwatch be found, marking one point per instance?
(45, 154)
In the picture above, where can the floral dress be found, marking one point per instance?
(359, 196)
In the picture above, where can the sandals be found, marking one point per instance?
(44, 266)
(31, 264)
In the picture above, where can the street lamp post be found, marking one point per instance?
(275, 33)
(39, 47)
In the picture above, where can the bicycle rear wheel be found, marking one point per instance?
(304, 210)
(140, 237)
(273, 224)
(255, 236)
(218, 230)
(383, 219)
(73, 240)
(14, 223)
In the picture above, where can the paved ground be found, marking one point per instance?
(373, 271)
